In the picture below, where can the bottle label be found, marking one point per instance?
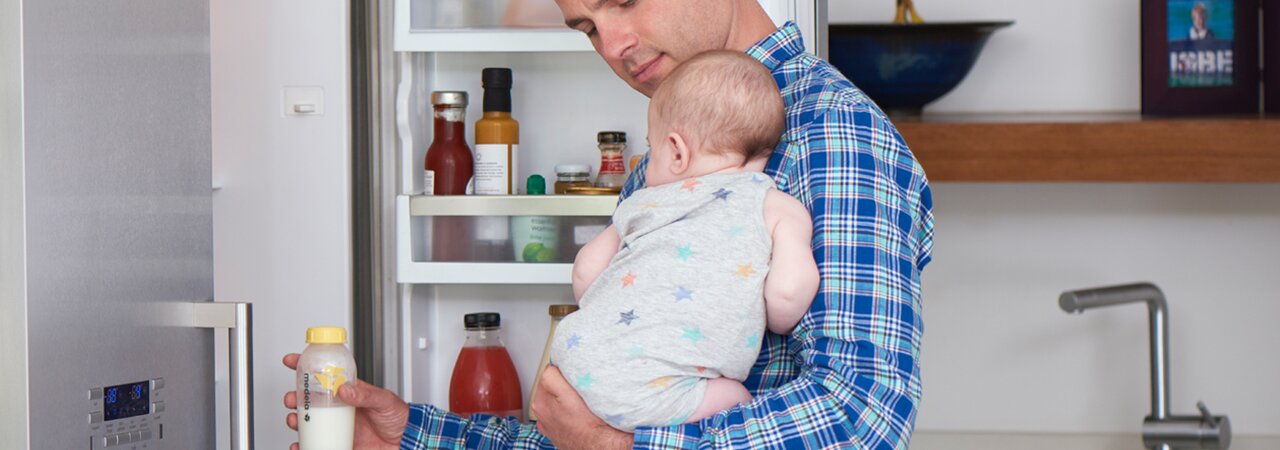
(612, 164)
(428, 182)
(330, 378)
(494, 169)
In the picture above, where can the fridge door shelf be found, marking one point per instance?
(492, 40)
(482, 39)
(512, 205)
(411, 271)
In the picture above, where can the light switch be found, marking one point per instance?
(303, 100)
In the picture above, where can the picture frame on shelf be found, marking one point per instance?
(1271, 56)
(1200, 57)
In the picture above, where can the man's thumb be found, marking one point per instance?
(352, 394)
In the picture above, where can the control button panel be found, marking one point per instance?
(123, 416)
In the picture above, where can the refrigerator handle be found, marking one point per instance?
(237, 318)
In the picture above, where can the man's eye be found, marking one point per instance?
(590, 31)
(628, 3)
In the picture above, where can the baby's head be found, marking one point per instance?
(719, 110)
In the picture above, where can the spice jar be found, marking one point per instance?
(571, 175)
(613, 171)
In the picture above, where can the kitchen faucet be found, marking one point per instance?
(1160, 430)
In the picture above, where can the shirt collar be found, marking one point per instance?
(778, 47)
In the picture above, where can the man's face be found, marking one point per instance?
(644, 40)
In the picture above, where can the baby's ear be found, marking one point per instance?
(680, 153)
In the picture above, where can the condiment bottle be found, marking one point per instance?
(449, 167)
(324, 421)
(449, 164)
(572, 175)
(497, 136)
(557, 312)
(613, 171)
(497, 141)
(484, 378)
(536, 238)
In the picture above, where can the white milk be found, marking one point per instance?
(329, 428)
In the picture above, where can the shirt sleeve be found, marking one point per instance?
(858, 345)
(431, 428)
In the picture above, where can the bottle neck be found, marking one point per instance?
(487, 337)
(497, 100)
(449, 125)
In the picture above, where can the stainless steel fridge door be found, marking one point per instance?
(116, 222)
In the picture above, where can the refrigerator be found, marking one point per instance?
(563, 94)
(107, 323)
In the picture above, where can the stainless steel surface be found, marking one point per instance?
(1160, 429)
(820, 41)
(105, 214)
(237, 318)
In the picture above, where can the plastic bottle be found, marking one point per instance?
(613, 171)
(536, 238)
(557, 312)
(324, 421)
(484, 378)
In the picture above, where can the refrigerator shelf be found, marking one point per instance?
(512, 205)
(414, 272)
(493, 40)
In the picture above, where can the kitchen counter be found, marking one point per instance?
(950, 440)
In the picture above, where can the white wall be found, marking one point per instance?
(998, 353)
(282, 235)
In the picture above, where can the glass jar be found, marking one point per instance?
(571, 175)
(613, 171)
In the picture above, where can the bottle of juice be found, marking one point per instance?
(324, 421)
(535, 238)
(484, 378)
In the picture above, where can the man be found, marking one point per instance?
(849, 375)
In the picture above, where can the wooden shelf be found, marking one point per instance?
(1095, 148)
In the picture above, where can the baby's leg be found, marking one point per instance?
(722, 393)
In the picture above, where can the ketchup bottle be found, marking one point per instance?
(484, 379)
(449, 168)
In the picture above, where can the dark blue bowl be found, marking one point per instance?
(904, 67)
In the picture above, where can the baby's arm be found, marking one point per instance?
(592, 260)
(793, 275)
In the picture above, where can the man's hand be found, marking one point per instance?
(565, 418)
(380, 415)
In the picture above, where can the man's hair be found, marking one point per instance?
(723, 101)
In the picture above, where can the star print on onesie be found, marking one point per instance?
(681, 305)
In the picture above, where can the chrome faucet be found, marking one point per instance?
(1160, 430)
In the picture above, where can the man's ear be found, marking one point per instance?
(681, 153)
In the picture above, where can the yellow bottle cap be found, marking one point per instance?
(326, 335)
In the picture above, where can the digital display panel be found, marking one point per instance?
(126, 400)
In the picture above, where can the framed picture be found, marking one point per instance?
(1271, 55)
(1200, 57)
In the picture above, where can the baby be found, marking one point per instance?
(676, 294)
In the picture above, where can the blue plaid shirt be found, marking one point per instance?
(849, 375)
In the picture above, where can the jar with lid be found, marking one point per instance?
(571, 175)
(613, 171)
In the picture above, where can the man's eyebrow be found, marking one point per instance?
(574, 22)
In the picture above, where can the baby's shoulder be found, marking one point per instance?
(780, 206)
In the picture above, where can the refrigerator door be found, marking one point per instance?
(107, 206)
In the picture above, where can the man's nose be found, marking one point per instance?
(616, 40)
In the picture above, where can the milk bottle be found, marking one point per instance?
(324, 422)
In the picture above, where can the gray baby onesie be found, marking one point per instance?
(681, 302)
